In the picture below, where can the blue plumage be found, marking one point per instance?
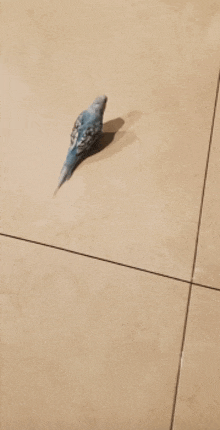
(86, 132)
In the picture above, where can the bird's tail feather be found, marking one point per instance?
(64, 176)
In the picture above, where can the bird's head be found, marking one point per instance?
(99, 103)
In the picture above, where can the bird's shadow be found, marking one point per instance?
(110, 129)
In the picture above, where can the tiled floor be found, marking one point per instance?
(110, 292)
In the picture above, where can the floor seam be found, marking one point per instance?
(105, 260)
(195, 256)
(191, 283)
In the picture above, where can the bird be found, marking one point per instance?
(86, 131)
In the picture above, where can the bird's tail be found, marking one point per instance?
(64, 176)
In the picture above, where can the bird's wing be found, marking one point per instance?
(75, 131)
(91, 134)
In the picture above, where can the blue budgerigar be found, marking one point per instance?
(86, 132)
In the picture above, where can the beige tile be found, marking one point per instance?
(198, 402)
(86, 344)
(137, 201)
(208, 258)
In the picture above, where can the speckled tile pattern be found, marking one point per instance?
(86, 344)
(109, 292)
(198, 403)
(137, 201)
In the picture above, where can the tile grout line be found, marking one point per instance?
(208, 287)
(195, 256)
(156, 273)
(105, 260)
